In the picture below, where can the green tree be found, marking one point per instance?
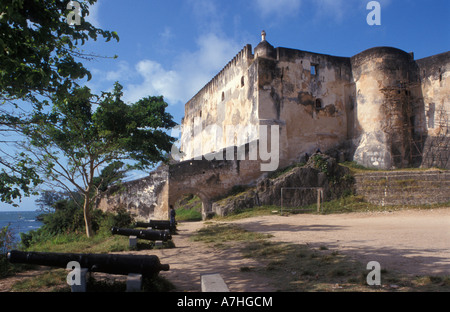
(48, 198)
(83, 135)
(40, 57)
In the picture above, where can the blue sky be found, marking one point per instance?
(174, 47)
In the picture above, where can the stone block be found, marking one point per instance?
(134, 282)
(213, 283)
(133, 241)
(81, 287)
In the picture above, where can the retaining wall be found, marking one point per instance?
(387, 188)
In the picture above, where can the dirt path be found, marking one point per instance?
(191, 259)
(413, 241)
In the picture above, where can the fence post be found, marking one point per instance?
(318, 199)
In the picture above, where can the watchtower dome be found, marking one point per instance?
(264, 48)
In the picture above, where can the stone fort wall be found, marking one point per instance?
(380, 108)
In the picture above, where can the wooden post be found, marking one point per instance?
(318, 200)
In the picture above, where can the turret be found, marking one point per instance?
(264, 48)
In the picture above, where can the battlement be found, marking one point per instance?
(243, 55)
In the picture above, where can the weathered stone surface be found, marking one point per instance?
(380, 108)
(140, 197)
(381, 99)
(320, 171)
(387, 188)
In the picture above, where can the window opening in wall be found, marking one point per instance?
(223, 96)
(242, 81)
(314, 69)
(318, 103)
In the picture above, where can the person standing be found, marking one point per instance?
(172, 215)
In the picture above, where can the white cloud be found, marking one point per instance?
(155, 81)
(189, 72)
(278, 8)
(124, 72)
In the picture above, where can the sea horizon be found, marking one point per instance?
(20, 221)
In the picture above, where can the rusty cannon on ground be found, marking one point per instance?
(143, 234)
(157, 225)
(146, 265)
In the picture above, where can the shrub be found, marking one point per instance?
(120, 217)
(68, 219)
(6, 244)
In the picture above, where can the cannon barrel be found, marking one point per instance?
(143, 234)
(156, 224)
(147, 265)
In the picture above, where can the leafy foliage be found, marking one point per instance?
(67, 222)
(6, 244)
(6, 239)
(40, 57)
(48, 198)
(21, 178)
(39, 49)
(79, 137)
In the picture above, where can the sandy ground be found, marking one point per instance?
(413, 242)
(189, 260)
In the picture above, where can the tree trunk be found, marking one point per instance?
(87, 215)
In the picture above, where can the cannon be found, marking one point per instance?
(156, 225)
(143, 234)
(147, 265)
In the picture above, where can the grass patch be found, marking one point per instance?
(102, 243)
(279, 172)
(188, 214)
(50, 281)
(353, 203)
(55, 281)
(80, 243)
(255, 211)
(189, 208)
(154, 284)
(219, 234)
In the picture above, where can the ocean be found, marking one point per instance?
(20, 222)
